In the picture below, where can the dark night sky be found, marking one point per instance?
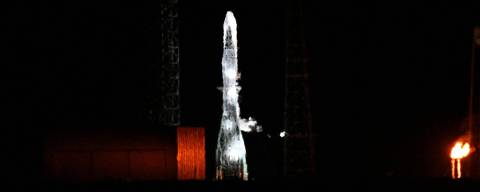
(389, 80)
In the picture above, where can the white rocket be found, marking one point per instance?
(231, 160)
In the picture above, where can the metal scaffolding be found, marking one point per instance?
(165, 102)
(299, 151)
(473, 108)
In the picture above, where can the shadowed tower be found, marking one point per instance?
(164, 106)
(474, 104)
(299, 152)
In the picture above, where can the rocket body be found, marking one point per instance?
(231, 153)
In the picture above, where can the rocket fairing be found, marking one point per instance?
(230, 153)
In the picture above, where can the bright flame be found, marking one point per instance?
(459, 151)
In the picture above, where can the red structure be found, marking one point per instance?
(190, 153)
(113, 155)
(120, 155)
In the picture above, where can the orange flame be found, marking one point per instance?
(459, 151)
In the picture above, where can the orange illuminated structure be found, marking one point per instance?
(140, 155)
(106, 155)
(190, 153)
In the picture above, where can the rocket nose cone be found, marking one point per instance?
(230, 30)
(230, 19)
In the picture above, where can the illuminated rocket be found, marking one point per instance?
(231, 160)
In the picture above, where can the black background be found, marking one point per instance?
(389, 79)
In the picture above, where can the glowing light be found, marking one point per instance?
(459, 168)
(459, 151)
(283, 133)
(453, 168)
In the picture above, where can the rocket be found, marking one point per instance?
(230, 153)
